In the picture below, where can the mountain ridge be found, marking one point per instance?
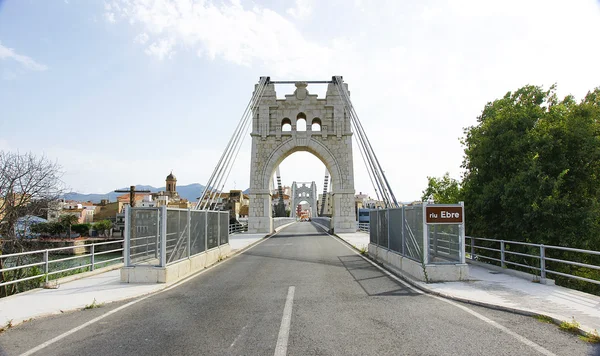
(190, 192)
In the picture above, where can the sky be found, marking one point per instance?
(121, 92)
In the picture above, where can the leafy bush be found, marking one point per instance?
(82, 229)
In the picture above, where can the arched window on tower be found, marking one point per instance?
(286, 124)
(301, 122)
(316, 124)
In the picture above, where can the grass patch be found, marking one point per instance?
(570, 326)
(544, 319)
(93, 305)
(8, 325)
(591, 337)
(363, 250)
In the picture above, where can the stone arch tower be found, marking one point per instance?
(271, 145)
(304, 191)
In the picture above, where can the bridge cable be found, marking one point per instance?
(369, 162)
(242, 135)
(215, 179)
(380, 178)
(371, 167)
(227, 154)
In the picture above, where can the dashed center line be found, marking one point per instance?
(286, 320)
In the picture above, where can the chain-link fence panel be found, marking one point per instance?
(224, 228)
(144, 236)
(212, 228)
(177, 235)
(382, 228)
(373, 223)
(197, 232)
(395, 224)
(413, 232)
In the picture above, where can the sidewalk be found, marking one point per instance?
(507, 292)
(103, 288)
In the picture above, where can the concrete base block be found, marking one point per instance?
(260, 225)
(427, 273)
(175, 271)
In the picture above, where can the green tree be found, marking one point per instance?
(102, 226)
(82, 229)
(532, 166)
(67, 221)
(443, 190)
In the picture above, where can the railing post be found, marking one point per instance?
(219, 228)
(403, 242)
(435, 240)
(46, 264)
(127, 237)
(472, 248)
(93, 260)
(387, 218)
(543, 263)
(206, 230)
(157, 243)
(502, 264)
(425, 251)
(163, 236)
(189, 232)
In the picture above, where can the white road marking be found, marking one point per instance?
(95, 320)
(286, 320)
(504, 329)
(237, 337)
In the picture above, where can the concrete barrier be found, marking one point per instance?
(174, 271)
(426, 273)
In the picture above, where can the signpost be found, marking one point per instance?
(439, 214)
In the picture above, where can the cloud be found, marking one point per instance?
(418, 71)
(110, 17)
(27, 62)
(302, 10)
(222, 31)
(161, 49)
(142, 38)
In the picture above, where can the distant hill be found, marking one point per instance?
(190, 192)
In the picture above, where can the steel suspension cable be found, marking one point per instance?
(201, 205)
(361, 140)
(381, 179)
(241, 142)
(240, 136)
(223, 169)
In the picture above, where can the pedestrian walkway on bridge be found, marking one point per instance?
(98, 288)
(503, 291)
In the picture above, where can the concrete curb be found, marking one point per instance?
(407, 279)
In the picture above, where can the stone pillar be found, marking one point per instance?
(344, 218)
(260, 214)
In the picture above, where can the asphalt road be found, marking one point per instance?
(300, 292)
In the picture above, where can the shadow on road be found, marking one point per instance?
(373, 281)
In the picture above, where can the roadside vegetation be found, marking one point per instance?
(531, 169)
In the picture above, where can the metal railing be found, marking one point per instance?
(237, 228)
(39, 258)
(502, 252)
(363, 227)
(162, 236)
(405, 231)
